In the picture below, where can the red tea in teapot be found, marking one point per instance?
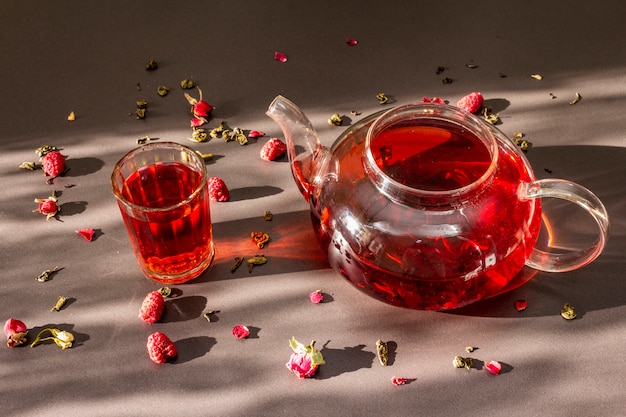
(434, 258)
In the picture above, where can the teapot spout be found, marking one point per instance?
(307, 157)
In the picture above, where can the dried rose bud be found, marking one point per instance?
(304, 360)
(48, 206)
(202, 109)
(316, 297)
(241, 332)
(15, 331)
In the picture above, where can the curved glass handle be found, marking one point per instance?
(566, 190)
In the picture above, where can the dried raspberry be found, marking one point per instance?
(218, 190)
(15, 331)
(273, 149)
(471, 102)
(152, 307)
(160, 348)
(53, 163)
(240, 331)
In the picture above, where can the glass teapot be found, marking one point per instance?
(426, 206)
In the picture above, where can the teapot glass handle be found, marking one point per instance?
(566, 190)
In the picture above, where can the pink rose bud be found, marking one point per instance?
(316, 297)
(304, 360)
(15, 331)
(493, 366)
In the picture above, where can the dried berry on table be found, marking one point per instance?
(160, 348)
(53, 163)
(240, 331)
(218, 191)
(62, 338)
(152, 307)
(15, 331)
(472, 102)
(273, 149)
(305, 359)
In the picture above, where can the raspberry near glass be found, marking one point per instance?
(162, 192)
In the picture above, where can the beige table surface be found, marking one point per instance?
(89, 57)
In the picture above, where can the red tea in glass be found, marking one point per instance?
(162, 193)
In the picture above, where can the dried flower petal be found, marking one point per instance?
(279, 56)
(520, 305)
(396, 380)
(351, 42)
(87, 233)
(197, 121)
(241, 332)
(493, 366)
(255, 134)
(316, 297)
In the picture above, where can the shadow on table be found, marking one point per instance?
(599, 285)
(292, 247)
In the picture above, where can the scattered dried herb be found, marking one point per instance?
(355, 112)
(71, 117)
(382, 98)
(470, 349)
(208, 314)
(45, 149)
(165, 291)
(260, 239)
(199, 135)
(382, 352)
(205, 156)
(568, 312)
(140, 113)
(237, 264)
(576, 99)
(461, 362)
(143, 139)
(138, 86)
(62, 338)
(151, 65)
(256, 260)
(60, 303)
(163, 90)
(217, 132)
(552, 96)
(47, 274)
(447, 80)
(335, 120)
(240, 136)
(536, 76)
(31, 166)
(268, 216)
(187, 84)
(471, 66)
(489, 116)
(439, 70)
